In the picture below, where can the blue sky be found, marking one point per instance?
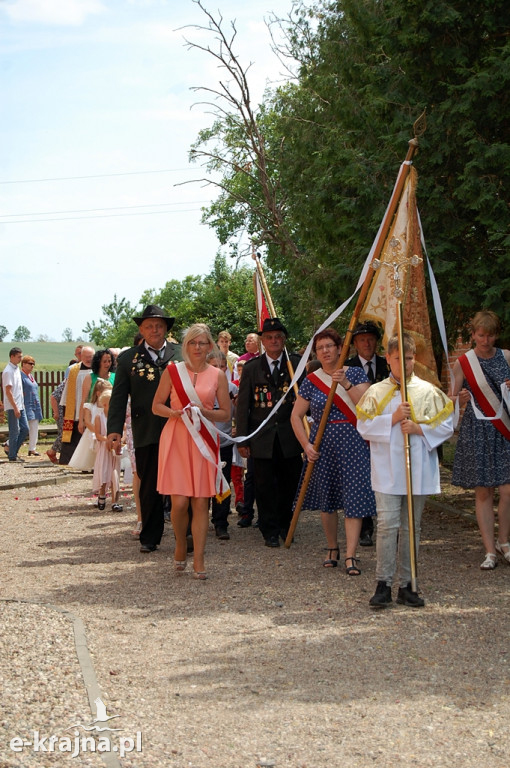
(102, 89)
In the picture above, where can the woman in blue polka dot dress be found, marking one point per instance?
(341, 475)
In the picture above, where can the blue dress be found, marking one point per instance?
(33, 410)
(341, 475)
(482, 456)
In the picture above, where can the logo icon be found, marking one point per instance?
(101, 718)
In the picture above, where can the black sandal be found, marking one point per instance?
(332, 562)
(352, 569)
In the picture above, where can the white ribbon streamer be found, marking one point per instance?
(334, 315)
(505, 398)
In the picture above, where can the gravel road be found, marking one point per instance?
(274, 661)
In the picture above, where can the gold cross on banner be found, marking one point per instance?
(394, 259)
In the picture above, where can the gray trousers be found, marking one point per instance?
(393, 536)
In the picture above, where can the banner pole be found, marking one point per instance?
(378, 246)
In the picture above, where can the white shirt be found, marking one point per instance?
(154, 355)
(271, 361)
(79, 387)
(387, 454)
(372, 362)
(11, 376)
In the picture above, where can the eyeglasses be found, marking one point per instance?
(325, 348)
(198, 343)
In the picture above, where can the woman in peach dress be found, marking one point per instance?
(189, 469)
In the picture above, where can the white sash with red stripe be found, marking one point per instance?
(202, 431)
(489, 402)
(343, 402)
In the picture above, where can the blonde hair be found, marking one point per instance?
(100, 386)
(487, 320)
(104, 396)
(197, 329)
(407, 342)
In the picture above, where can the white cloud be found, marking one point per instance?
(57, 12)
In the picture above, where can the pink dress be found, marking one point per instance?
(107, 464)
(182, 470)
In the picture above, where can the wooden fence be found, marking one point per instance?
(47, 381)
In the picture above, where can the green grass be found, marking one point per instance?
(48, 355)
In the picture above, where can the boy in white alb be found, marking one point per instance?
(383, 419)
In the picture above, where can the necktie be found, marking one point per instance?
(370, 373)
(276, 373)
(159, 356)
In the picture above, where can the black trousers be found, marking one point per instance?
(68, 449)
(220, 512)
(367, 526)
(151, 502)
(276, 482)
(249, 489)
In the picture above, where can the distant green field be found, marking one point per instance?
(48, 355)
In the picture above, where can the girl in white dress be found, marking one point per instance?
(84, 456)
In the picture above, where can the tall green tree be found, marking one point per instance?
(3, 332)
(21, 333)
(116, 327)
(366, 72)
(224, 299)
(336, 136)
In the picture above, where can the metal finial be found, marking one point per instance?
(420, 125)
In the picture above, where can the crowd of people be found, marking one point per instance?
(198, 419)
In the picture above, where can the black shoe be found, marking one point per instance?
(365, 540)
(145, 548)
(240, 509)
(406, 596)
(18, 459)
(245, 521)
(222, 533)
(382, 596)
(272, 541)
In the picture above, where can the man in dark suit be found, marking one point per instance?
(138, 373)
(365, 338)
(275, 450)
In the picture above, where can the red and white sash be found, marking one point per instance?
(343, 402)
(491, 405)
(204, 433)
